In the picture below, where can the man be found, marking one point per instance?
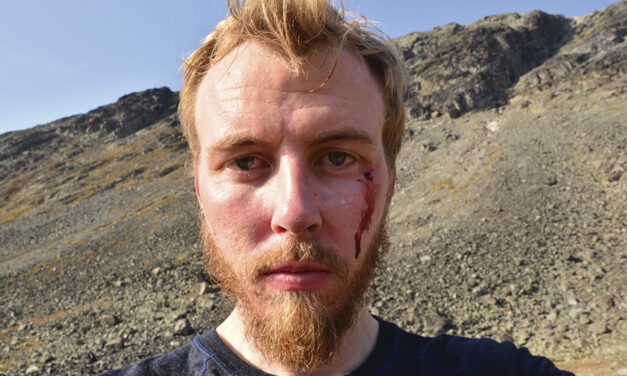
(294, 118)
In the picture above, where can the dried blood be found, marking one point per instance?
(366, 214)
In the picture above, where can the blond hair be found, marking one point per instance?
(292, 29)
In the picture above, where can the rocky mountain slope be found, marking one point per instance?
(509, 219)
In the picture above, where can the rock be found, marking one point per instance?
(551, 180)
(182, 327)
(434, 323)
(571, 299)
(156, 271)
(109, 320)
(448, 75)
(505, 337)
(493, 126)
(614, 176)
(32, 369)
(89, 357)
(429, 147)
(598, 327)
(114, 345)
(202, 288)
(46, 358)
(552, 316)
(207, 304)
(178, 314)
(100, 343)
(575, 312)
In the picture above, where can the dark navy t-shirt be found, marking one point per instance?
(396, 353)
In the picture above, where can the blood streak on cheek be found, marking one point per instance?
(366, 214)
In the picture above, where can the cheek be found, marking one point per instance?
(339, 196)
(341, 207)
(233, 213)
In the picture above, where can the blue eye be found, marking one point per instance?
(245, 163)
(337, 158)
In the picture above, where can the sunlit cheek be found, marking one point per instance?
(234, 212)
(341, 205)
(335, 198)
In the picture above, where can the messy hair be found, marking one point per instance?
(293, 29)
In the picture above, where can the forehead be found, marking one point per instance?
(252, 83)
(235, 68)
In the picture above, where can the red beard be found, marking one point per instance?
(299, 329)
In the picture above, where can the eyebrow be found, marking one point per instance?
(341, 134)
(235, 141)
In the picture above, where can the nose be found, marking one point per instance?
(295, 204)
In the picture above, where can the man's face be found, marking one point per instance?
(293, 185)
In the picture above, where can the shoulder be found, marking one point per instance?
(487, 357)
(186, 360)
(205, 355)
(173, 363)
(451, 355)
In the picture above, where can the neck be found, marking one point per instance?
(356, 345)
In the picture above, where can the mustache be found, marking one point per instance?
(297, 251)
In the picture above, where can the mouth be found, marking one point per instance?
(297, 276)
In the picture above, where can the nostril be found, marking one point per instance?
(313, 228)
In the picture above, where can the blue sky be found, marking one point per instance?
(64, 57)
